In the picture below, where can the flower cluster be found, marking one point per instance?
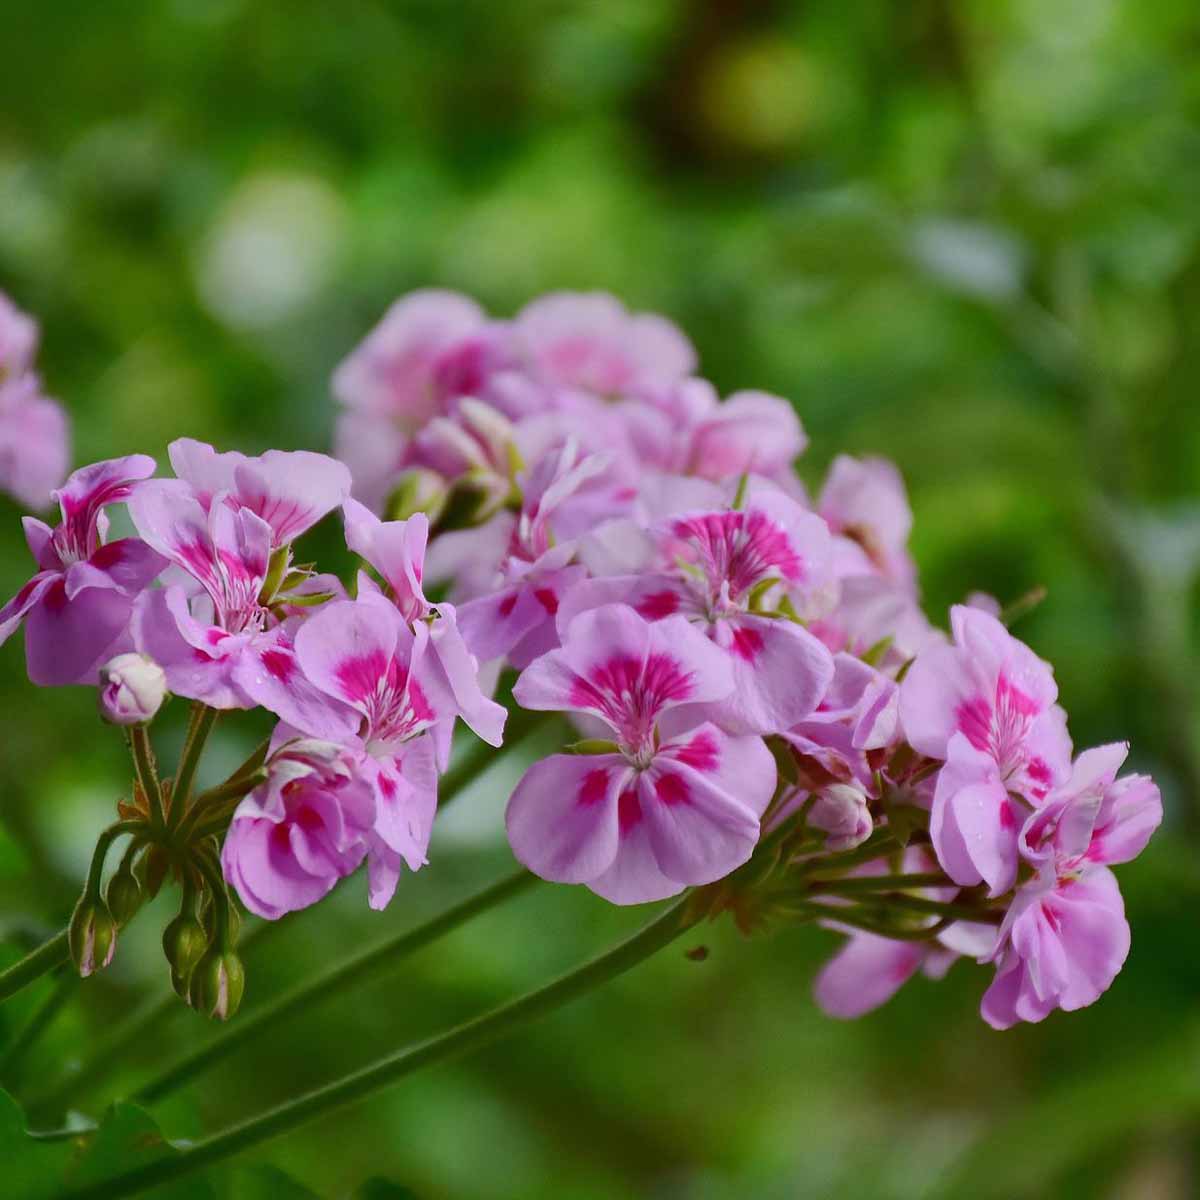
(761, 710)
(34, 437)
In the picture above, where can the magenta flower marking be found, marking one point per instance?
(77, 607)
(986, 706)
(305, 828)
(289, 490)
(396, 549)
(707, 567)
(363, 654)
(676, 803)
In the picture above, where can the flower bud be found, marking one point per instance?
(217, 983)
(184, 943)
(92, 935)
(124, 895)
(840, 811)
(418, 490)
(132, 689)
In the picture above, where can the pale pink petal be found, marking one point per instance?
(345, 649)
(865, 973)
(562, 817)
(698, 831)
(67, 641)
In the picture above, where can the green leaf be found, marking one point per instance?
(43, 1166)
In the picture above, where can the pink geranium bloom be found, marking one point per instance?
(396, 549)
(717, 569)
(34, 442)
(855, 723)
(362, 654)
(870, 610)
(516, 618)
(674, 803)
(986, 705)
(431, 348)
(219, 638)
(305, 828)
(18, 339)
(589, 342)
(686, 430)
(291, 490)
(865, 503)
(77, 607)
(1065, 937)
(34, 433)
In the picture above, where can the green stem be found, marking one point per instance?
(142, 1030)
(876, 883)
(34, 965)
(959, 912)
(147, 772)
(200, 726)
(881, 842)
(349, 974)
(472, 1035)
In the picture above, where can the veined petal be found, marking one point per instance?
(562, 817)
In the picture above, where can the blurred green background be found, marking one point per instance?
(960, 234)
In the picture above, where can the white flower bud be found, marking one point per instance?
(132, 689)
(840, 811)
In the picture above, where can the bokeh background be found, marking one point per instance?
(960, 234)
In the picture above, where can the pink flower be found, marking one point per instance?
(587, 341)
(305, 828)
(516, 618)
(686, 430)
(77, 607)
(1065, 937)
(34, 434)
(721, 570)
(986, 706)
(290, 490)
(675, 803)
(18, 339)
(396, 549)
(364, 655)
(219, 639)
(431, 348)
(865, 503)
(857, 716)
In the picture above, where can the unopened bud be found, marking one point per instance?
(184, 943)
(840, 812)
(124, 895)
(132, 689)
(217, 983)
(92, 935)
(418, 490)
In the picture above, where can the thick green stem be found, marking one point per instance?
(201, 725)
(34, 965)
(472, 1035)
(341, 978)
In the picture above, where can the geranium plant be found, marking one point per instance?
(757, 720)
